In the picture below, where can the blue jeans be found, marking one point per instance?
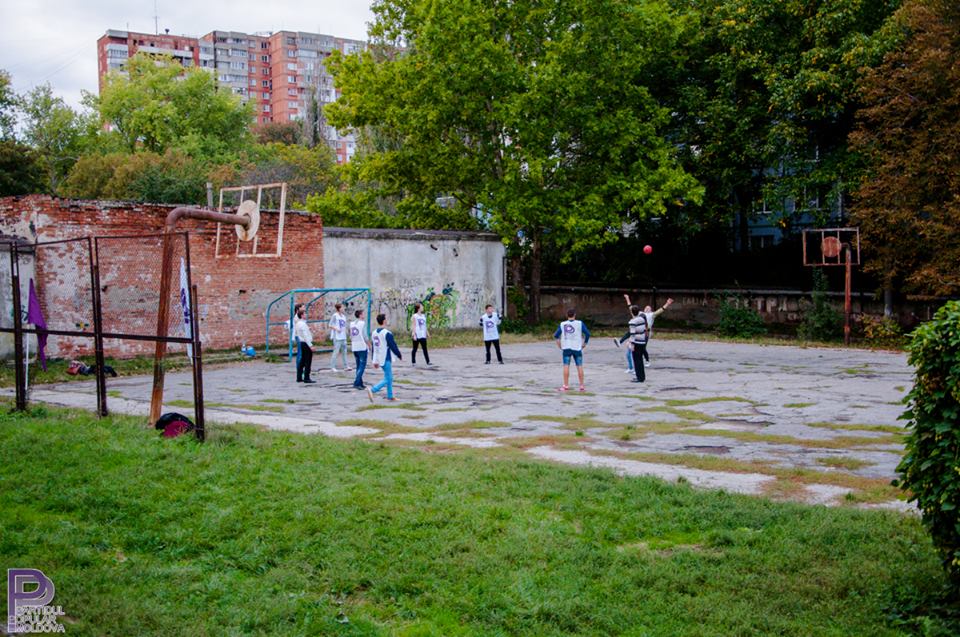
(629, 359)
(575, 354)
(361, 359)
(387, 380)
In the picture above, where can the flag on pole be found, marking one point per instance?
(35, 316)
(185, 304)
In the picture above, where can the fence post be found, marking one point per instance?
(98, 336)
(19, 374)
(197, 366)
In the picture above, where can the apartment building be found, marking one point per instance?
(283, 74)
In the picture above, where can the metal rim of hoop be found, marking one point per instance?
(248, 208)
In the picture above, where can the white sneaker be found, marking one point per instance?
(370, 394)
(628, 371)
(646, 364)
(334, 369)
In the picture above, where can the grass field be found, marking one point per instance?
(273, 534)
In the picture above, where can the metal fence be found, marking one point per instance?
(98, 289)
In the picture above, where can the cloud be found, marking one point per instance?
(55, 41)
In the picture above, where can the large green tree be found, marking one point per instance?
(55, 131)
(8, 102)
(156, 105)
(767, 98)
(908, 204)
(539, 114)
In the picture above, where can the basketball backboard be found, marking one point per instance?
(828, 246)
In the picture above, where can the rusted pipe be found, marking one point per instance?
(163, 311)
(186, 212)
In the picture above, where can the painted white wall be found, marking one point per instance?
(402, 266)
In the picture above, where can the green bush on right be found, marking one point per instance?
(930, 470)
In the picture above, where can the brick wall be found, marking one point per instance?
(233, 291)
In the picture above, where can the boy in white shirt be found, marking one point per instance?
(305, 338)
(359, 346)
(384, 349)
(419, 334)
(338, 334)
(572, 336)
(491, 334)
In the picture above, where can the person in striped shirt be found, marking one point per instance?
(639, 335)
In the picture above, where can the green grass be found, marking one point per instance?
(278, 534)
(798, 405)
(391, 405)
(272, 533)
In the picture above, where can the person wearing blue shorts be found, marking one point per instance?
(572, 336)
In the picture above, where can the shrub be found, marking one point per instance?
(931, 467)
(881, 329)
(738, 319)
(821, 322)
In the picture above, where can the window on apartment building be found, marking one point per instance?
(291, 53)
(253, 82)
(292, 78)
(264, 58)
(253, 57)
(266, 108)
(265, 71)
(266, 96)
(291, 66)
(291, 40)
(264, 45)
(238, 66)
(253, 69)
(292, 104)
(291, 91)
(266, 83)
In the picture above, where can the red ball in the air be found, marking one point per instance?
(648, 249)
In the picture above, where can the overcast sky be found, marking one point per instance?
(55, 41)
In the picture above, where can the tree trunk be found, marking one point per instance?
(536, 261)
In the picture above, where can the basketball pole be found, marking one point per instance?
(846, 296)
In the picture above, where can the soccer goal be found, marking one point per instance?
(280, 310)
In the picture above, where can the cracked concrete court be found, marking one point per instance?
(817, 425)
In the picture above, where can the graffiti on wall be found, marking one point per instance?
(448, 307)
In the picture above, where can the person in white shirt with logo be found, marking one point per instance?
(359, 346)
(338, 334)
(302, 332)
(491, 334)
(418, 331)
(572, 336)
(384, 348)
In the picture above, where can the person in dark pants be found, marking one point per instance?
(302, 331)
(419, 333)
(491, 332)
(639, 334)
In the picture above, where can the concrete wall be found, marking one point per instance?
(700, 308)
(462, 270)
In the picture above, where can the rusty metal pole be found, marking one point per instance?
(197, 366)
(98, 333)
(846, 297)
(163, 310)
(20, 379)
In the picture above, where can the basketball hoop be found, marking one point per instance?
(251, 210)
(830, 247)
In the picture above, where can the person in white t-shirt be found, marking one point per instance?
(384, 349)
(338, 334)
(419, 333)
(572, 336)
(305, 338)
(491, 334)
(359, 346)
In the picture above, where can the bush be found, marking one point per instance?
(881, 329)
(821, 322)
(931, 467)
(738, 319)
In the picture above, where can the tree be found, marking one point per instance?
(909, 132)
(767, 98)
(279, 132)
(8, 102)
(54, 130)
(157, 104)
(307, 171)
(540, 114)
(172, 177)
(20, 173)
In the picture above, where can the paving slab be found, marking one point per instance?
(825, 409)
